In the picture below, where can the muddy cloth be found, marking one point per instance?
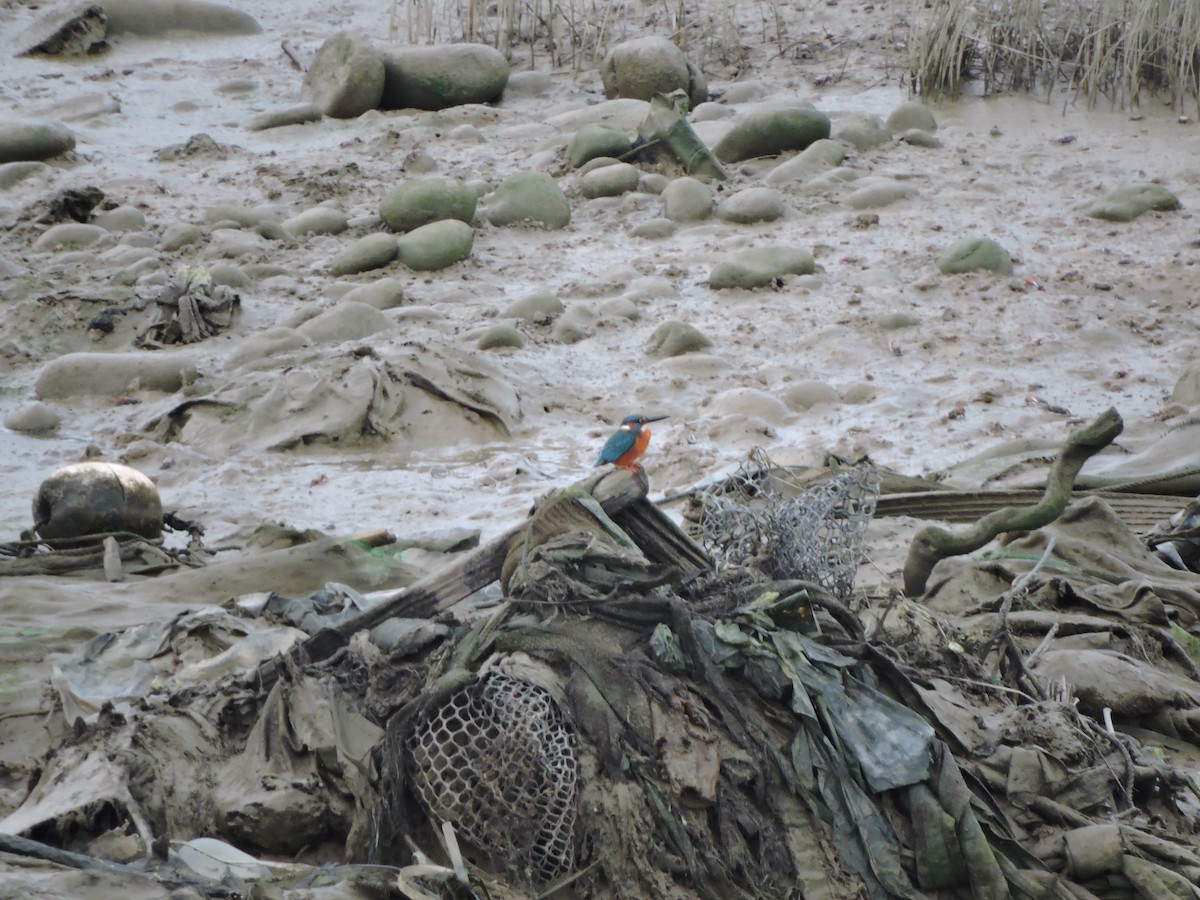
(190, 309)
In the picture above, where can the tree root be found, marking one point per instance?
(934, 543)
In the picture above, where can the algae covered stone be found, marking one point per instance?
(687, 199)
(909, 116)
(756, 204)
(430, 198)
(862, 133)
(442, 76)
(817, 157)
(529, 197)
(436, 245)
(772, 132)
(973, 254)
(595, 140)
(760, 266)
(501, 336)
(33, 141)
(1126, 203)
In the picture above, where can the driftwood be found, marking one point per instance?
(932, 543)
(616, 491)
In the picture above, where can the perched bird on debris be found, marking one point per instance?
(627, 443)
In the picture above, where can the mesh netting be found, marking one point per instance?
(498, 762)
(817, 535)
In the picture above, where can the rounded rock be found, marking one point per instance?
(345, 321)
(878, 193)
(318, 220)
(973, 254)
(436, 245)
(529, 197)
(595, 140)
(654, 229)
(386, 293)
(751, 205)
(33, 418)
(862, 133)
(1126, 203)
(300, 114)
(759, 267)
(419, 201)
(69, 235)
(97, 498)
(175, 237)
(772, 132)
(643, 67)
(675, 338)
(806, 394)
(122, 218)
(13, 173)
(346, 76)
(33, 141)
(112, 374)
(156, 17)
(539, 308)
(908, 116)
(817, 157)
(442, 76)
(687, 199)
(500, 336)
(371, 252)
(610, 181)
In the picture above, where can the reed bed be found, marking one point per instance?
(1122, 51)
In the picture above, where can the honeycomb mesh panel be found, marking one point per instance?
(817, 535)
(498, 761)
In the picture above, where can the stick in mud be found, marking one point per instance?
(932, 543)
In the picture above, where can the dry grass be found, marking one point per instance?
(1120, 50)
(577, 33)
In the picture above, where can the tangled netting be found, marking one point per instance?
(816, 536)
(498, 762)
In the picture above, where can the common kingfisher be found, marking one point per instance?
(627, 443)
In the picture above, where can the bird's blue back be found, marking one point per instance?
(621, 441)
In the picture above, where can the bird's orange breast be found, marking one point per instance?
(639, 447)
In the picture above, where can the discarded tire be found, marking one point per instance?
(97, 498)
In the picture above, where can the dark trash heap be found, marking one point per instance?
(644, 712)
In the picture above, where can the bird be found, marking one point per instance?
(627, 443)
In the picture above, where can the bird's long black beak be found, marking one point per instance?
(656, 418)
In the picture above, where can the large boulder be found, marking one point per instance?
(33, 141)
(442, 76)
(152, 17)
(532, 197)
(772, 132)
(430, 198)
(346, 77)
(112, 374)
(651, 65)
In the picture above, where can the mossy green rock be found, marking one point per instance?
(371, 252)
(687, 199)
(529, 197)
(772, 132)
(157, 17)
(756, 204)
(610, 181)
(436, 245)
(676, 338)
(442, 76)
(862, 133)
(1129, 201)
(596, 140)
(419, 201)
(973, 254)
(760, 266)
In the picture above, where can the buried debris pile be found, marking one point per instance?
(629, 721)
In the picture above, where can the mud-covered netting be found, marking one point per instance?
(815, 532)
(190, 308)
